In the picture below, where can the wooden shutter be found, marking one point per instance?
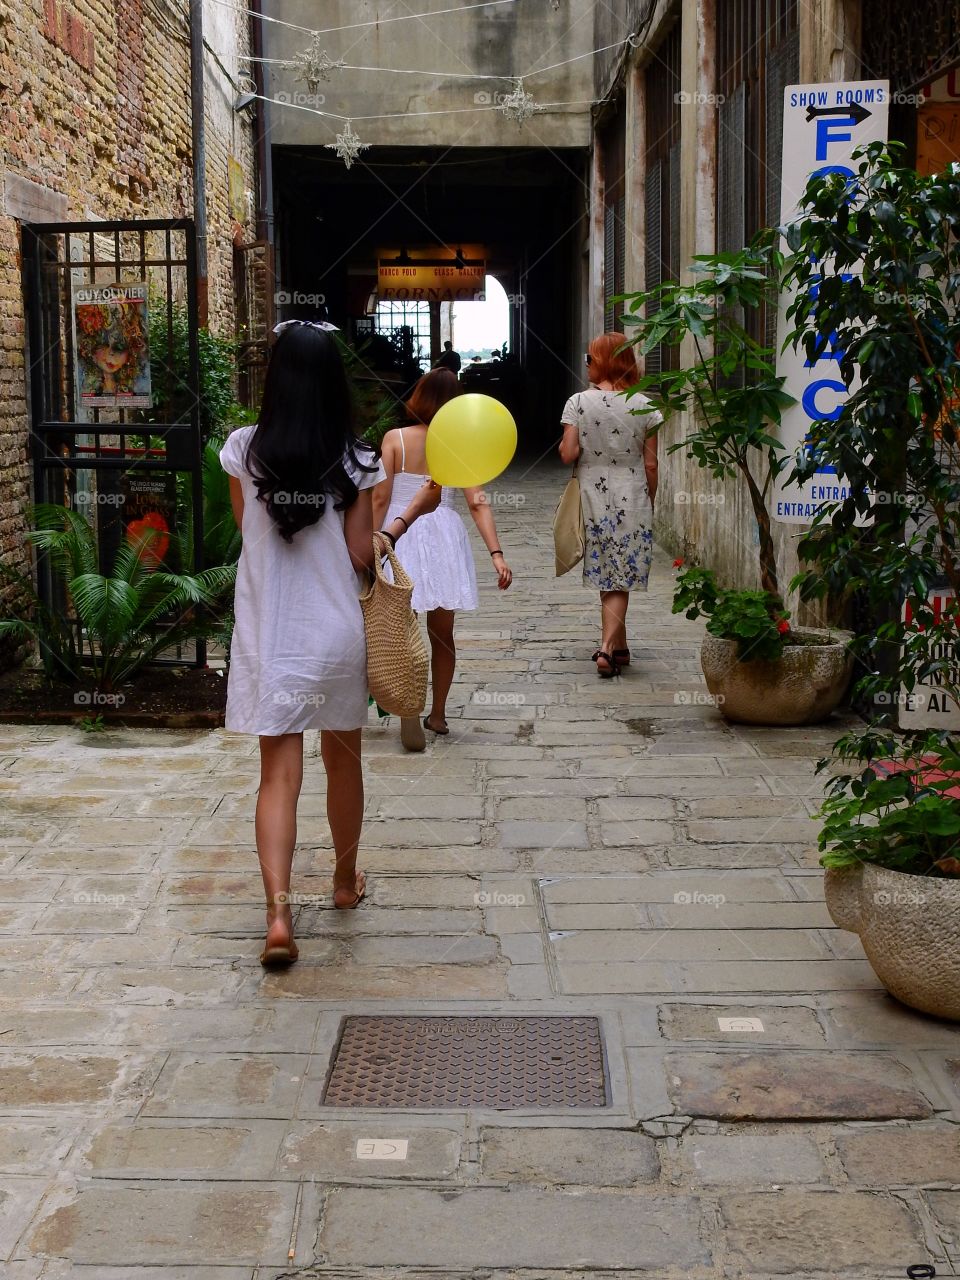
(653, 261)
(783, 68)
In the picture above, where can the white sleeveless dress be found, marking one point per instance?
(436, 550)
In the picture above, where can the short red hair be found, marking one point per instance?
(430, 394)
(609, 364)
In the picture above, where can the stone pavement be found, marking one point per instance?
(575, 846)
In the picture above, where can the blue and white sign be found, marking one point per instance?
(823, 124)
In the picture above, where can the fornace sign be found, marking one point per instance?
(432, 273)
(823, 124)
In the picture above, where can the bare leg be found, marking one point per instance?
(613, 619)
(281, 776)
(340, 752)
(444, 661)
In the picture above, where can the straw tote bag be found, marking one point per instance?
(568, 531)
(396, 654)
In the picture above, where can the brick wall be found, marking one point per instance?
(95, 123)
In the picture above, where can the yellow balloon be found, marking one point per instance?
(471, 439)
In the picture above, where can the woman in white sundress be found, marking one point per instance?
(616, 455)
(437, 553)
(300, 484)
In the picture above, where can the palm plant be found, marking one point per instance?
(124, 618)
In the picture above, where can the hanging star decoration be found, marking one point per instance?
(314, 64)
(518, 105)
(347, 146)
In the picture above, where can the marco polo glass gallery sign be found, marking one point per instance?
(823, 124)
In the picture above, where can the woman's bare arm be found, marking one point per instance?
(570, 444)
(383, 492)
(651, 465)
(358, 531)
(236, 500)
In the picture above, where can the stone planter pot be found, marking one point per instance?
(910, 929)
(802, 687)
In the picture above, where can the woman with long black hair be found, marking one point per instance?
(300, 482)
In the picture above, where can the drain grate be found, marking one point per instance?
(499, 1063)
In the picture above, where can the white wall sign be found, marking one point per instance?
(823, 124)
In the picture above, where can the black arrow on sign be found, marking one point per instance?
(853, 109)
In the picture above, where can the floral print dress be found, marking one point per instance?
(617, 511)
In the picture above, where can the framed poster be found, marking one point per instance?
(149, 511)
(111, 335)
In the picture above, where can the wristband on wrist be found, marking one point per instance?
(404, 522)
(386, 533)
(496, 552)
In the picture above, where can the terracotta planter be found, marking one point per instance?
(910, 929)
(802, 687)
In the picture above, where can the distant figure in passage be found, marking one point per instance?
(450, 359)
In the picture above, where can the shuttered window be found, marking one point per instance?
(613, 141)
(757, 55)
(662, 186)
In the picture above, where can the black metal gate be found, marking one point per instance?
(115, 386)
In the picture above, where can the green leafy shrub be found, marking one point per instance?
(125, 616)
(753, 619)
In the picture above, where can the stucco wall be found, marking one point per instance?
(504, 40)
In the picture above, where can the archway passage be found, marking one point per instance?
(526, 207)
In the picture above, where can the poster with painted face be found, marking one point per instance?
(111, 336)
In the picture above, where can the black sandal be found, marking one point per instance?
(622, 657)
(614, 668)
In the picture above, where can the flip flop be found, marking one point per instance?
(441, 733)
(359, 895)
(622, 657)
(614, 669)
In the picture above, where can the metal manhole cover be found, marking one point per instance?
(498, 1063)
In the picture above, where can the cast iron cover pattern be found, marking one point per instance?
(496, 1063)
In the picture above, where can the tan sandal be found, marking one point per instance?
(360, 892)
(279, 957)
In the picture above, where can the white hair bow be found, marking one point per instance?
(313, 324)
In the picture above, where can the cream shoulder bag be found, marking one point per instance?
(568, 531)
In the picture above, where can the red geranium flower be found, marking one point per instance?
(678, 563)
(783, 626)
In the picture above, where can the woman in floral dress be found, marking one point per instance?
(616, 453)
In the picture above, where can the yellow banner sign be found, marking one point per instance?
(432, 273)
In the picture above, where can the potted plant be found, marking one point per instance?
(759, 668)
(876, 262)
(890, 840)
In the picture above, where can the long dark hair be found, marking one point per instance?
(432, 391)
(306, 427)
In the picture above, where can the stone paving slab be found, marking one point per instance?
(520, 1228)
(163, 1225)
(846, 1231)
(565, 1157)
(777, 1084)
